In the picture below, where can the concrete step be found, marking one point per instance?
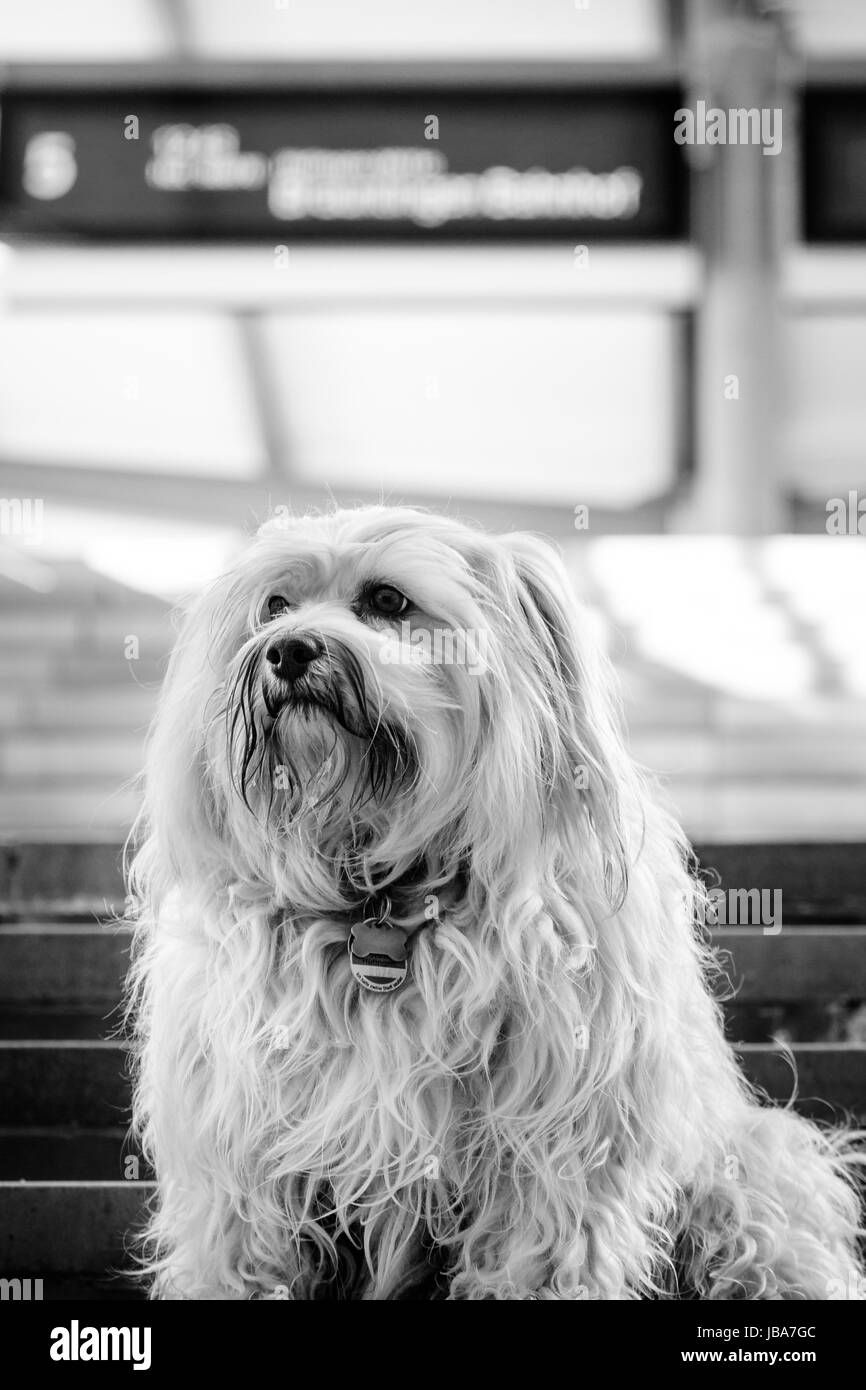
(102, 669)
(60, 878)
(830, 1077)
(753, 754)
(70, 1023)
(58, 758)
(85, 1083)
(836, 712)
(46, 1083)
(68, 1227)
(76, 966)
(729, 809)
(129, 708)
(69, 1153)
(84, 1288)
(820, 883)
(94, 630)
(48, 627)
(98, 810)
(736, 809)
(49, 1227)
(90, 1288)
(30, 668)
(800, 963)
(13, 708)
(64, 965)
(726, 809)
(77, 670)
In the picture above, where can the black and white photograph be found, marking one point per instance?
(433, 685)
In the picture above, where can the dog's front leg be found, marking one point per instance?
(546, 1237)
(199, 1111)
(781, 1218)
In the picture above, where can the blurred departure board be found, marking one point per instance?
(432, 163)
(834, 163)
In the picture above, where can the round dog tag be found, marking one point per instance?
(378, 957)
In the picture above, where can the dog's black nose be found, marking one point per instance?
(290, 656)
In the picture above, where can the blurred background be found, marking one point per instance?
(270, 254)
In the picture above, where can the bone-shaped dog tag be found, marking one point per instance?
(378, 956)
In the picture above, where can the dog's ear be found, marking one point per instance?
(591, 768)
(547, 606)
(178, 825)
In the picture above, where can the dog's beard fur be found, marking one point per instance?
(326, 753)
(547, 1108)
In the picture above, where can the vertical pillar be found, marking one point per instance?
(734, 62)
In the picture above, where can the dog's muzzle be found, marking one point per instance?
(288, 660)
(291, 655)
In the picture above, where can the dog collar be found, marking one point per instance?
(379, 950)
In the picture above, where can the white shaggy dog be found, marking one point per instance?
(387, 746)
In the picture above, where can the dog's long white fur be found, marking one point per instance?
(548, 1103)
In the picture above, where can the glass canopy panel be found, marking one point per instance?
(386, 29)
(824, 416)
(828, 28)
(168, 391)
(552, 407)
(86, 31)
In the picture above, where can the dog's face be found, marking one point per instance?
(386, 685)
(357, 673)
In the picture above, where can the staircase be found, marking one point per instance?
(82, 663)
(82, 660)
(71, 1187)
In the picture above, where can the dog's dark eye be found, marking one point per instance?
(387, 601)
(277, 605)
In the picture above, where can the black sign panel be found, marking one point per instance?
(431, 163)
(834, 159)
